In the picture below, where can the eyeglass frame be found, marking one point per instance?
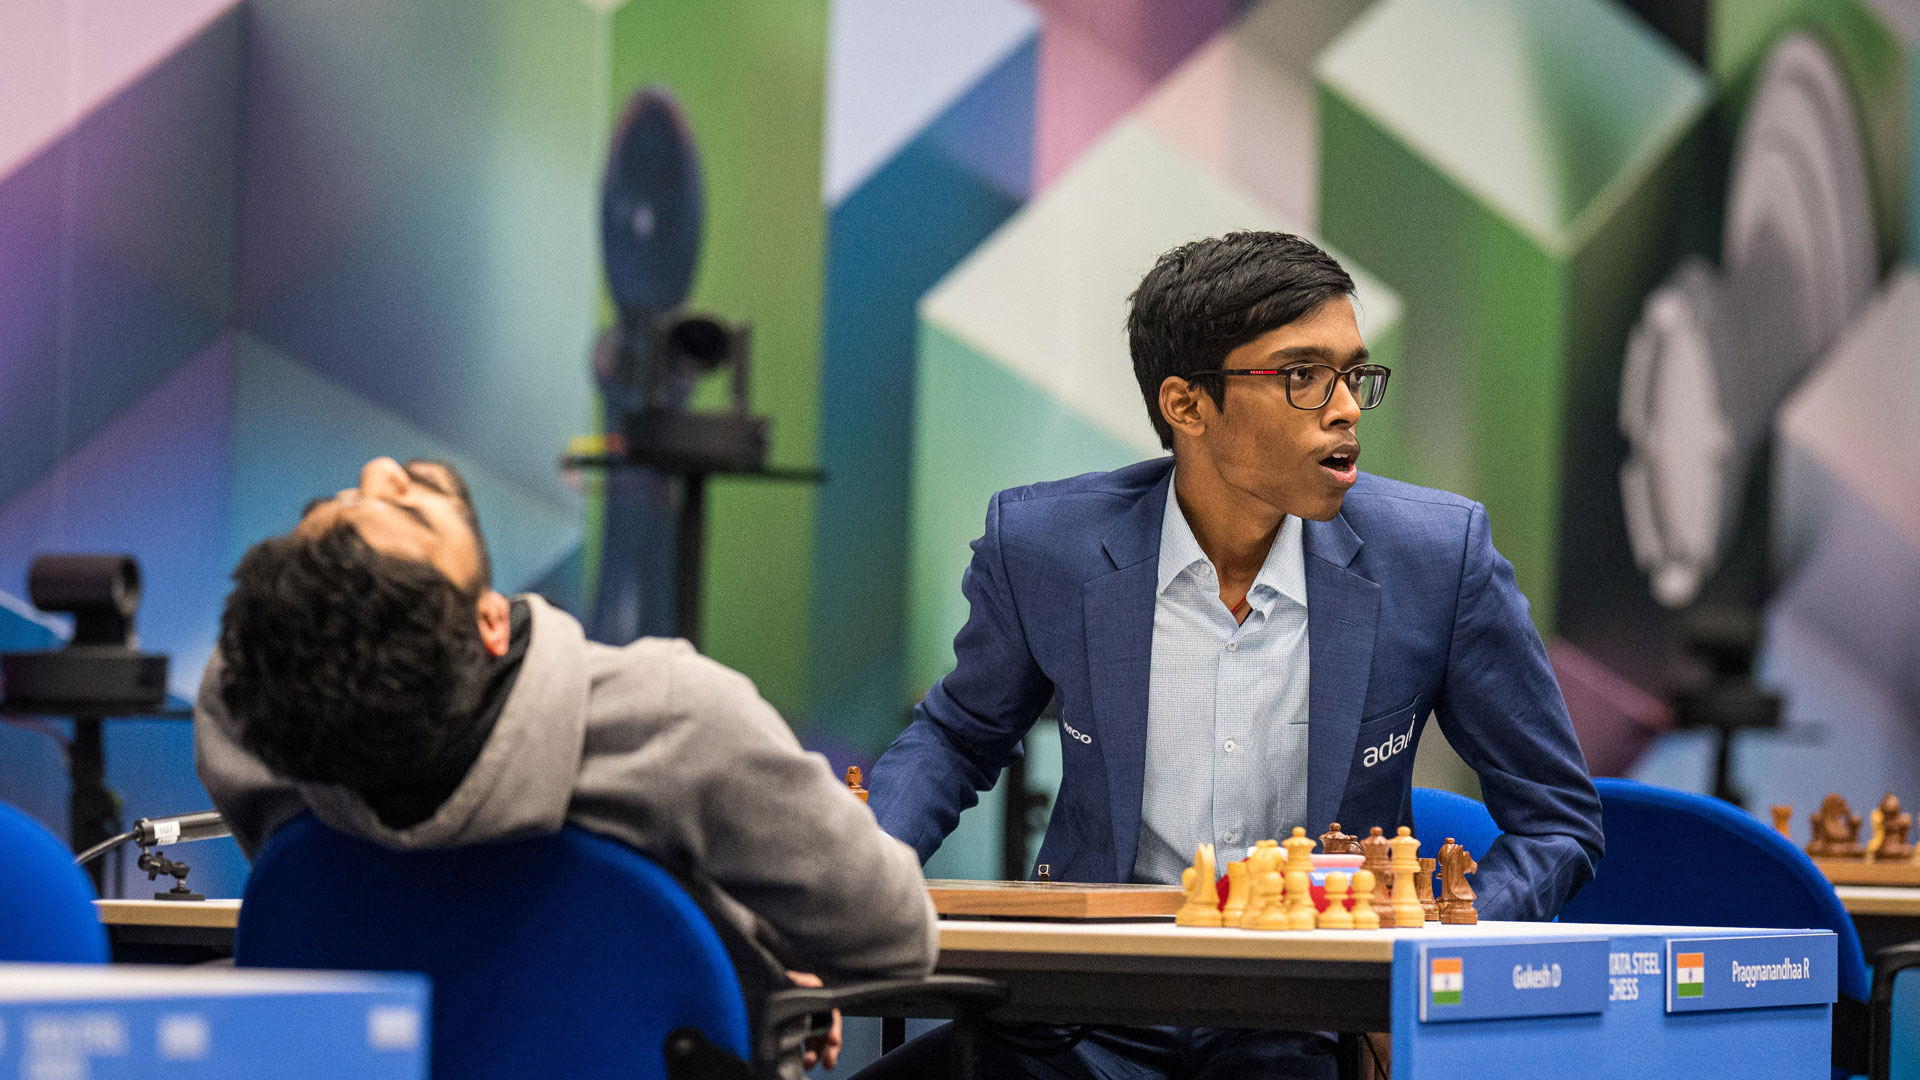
(1340, 375)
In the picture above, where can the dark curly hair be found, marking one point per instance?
(345, 665)
(1204, 299)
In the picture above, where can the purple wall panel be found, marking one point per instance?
(116, 267)
(153, 483)
(1099, 58)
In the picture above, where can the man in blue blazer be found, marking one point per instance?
(1242, 638)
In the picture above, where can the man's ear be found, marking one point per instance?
(1180, 404)
(495, 613)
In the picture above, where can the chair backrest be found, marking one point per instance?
(1679, 858)
(569, 955)
(47, 916)
(1439, 814)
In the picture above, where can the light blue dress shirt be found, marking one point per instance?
(1226, 708)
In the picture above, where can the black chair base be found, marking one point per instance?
(792, 1016)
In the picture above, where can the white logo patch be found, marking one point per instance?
(1082, 736)
(1394, 744)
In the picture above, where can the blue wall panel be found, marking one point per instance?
(888, 242)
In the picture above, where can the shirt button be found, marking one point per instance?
(1233, 646)
(1232, 836)
(1231, 747)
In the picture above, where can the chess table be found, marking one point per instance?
(1606, 1016)
(1492, 1000)
(169, 931)
(1882, 914)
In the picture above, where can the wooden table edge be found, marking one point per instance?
(221, 914)
(1879, 899)
(957, 936)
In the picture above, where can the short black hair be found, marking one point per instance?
(346, 665)
(1204, 299)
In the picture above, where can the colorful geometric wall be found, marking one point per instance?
(930, 125)
(251, 245)
(245, 244)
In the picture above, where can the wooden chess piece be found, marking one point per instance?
(1300, 913)
(1896, 824)
(1364, 917)
(1336, 917)
(1378, 856)
(1335, 842)
(1876, 831)
(1836, 830)
(1203, 897)
(1456, 896)
(1263, 886)
(1406, 868)
(1783, 819)
(1423, 888)
(1236, 894)
(1274, 916)
(1256, 895)
(1299, 852)
(853, 782)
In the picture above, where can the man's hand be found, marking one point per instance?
(824, 1050)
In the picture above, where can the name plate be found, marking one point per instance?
(1765, 971)
(1495, 981)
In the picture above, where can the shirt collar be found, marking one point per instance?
(1284, 573)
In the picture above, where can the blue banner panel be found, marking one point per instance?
(112, 1023)
(1764, 971)
(1494, 981)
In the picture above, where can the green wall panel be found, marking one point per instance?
(978, 428)
(751, 76)
(1513, 169)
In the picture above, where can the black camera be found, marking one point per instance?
(101, 671)
(649, 368)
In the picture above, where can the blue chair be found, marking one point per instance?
(1674, 857)
(1439, 814)
(567, 955)
(47, 916)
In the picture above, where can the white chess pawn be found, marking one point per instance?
(1336, 917)
(1364, 917)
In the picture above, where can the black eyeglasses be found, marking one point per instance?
(1310, 386)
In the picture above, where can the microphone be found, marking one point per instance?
(180, 828)
(151, 832)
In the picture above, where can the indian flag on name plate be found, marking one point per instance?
(1443, 980)
(1689, 974)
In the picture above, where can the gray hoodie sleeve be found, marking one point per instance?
(715, 780)
(248, 795)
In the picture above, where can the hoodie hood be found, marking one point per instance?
(522, 782)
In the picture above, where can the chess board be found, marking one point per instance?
(1064, 901)
(1861, 872)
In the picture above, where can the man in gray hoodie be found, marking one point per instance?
(369, 673)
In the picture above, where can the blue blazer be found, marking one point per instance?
(1410, 611)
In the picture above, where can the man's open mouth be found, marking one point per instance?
(1343, 464)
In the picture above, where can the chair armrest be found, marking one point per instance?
(1887, 964)
(786, 1023)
